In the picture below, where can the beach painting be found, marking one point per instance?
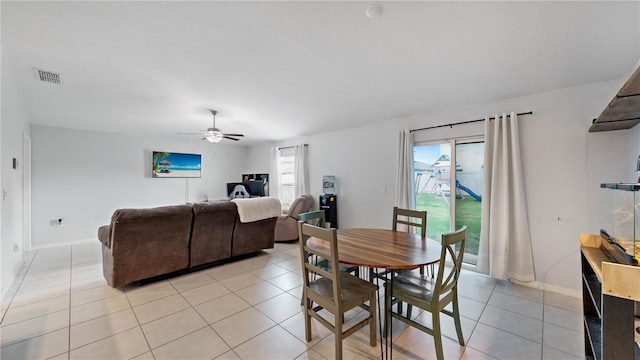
(176, 165)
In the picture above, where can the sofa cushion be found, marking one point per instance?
(212, 232)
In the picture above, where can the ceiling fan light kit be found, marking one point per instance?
(213, 134)
(214, 138)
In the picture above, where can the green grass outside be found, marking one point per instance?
(438, 223)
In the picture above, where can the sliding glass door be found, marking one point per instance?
(432, 192)
(468, 200)
(448, 179)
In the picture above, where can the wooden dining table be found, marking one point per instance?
(382, 249)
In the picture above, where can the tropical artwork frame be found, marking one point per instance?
(176, 165)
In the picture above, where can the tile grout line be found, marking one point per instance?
(494, 289)
(478, 321)
(138, 321)
(95, 341)
(544, 295)
(70, 282)
(18, 287)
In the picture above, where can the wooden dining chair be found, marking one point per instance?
(429, 294)
(414, 220)
(317, 218)
(333, 290)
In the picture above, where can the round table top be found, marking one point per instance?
(379, 248)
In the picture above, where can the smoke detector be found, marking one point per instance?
(374, 11)
(48, 76)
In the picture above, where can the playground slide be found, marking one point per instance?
(468, 191)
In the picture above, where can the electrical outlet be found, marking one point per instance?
(5, 194)
(16, 247)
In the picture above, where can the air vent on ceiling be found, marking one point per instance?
(48, 76)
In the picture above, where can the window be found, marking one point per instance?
(287, 177)
(448, 185)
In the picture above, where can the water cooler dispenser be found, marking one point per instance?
(328, 203)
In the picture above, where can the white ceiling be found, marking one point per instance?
(278, 70)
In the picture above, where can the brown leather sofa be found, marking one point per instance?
(143, 243)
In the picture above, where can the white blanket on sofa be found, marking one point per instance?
(255, 209)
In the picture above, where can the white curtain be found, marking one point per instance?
(505, 243)
(301, 171)
(274, 173)
(405, 172)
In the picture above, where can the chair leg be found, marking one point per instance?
(338, 336)
(437, 335)
(372, 275)
(307, 320)
(456, 320)
(372, 323)
(387, 311)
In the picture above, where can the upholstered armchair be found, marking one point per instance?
(287, 224)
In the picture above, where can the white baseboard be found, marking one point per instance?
(552, 288)
(68, 243)
(536, 284)
(5, 290)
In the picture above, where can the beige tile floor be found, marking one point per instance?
(61, 308)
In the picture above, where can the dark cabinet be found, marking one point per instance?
(329, 203)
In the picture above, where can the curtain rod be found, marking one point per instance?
(290, 147)
(466, 122)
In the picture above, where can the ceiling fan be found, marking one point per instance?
(213, 134)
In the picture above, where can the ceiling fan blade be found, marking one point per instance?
(213, 134)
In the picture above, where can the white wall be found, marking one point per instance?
(83, 176)
(14, 124)
(563, 165)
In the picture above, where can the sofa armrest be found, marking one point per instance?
(286, 228)
(145, 243)
(253, 236)
(104, 235)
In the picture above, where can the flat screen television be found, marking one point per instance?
(256, 188)
(176, 165)
(253, 187)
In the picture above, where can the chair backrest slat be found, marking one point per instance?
(316, 218)
(307, 231)
(414, 219)
(449, 252)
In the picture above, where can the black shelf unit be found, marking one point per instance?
(608, 320)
